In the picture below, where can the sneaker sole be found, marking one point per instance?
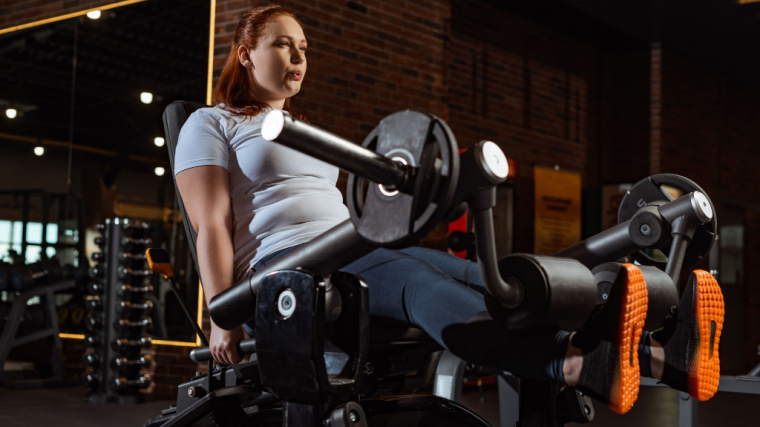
(704, 372)
(632, 317)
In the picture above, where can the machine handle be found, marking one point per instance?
(203, 354)
(650, 227)
(323, 255)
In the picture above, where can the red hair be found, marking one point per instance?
(234, 87)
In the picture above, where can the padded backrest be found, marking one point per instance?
(175, 115)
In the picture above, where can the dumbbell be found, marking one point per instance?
(129, 273)
(92, 341)
(133, 245)
(127, 307)
(100, 242)
(135, 229)
(143, 381)
(93, 322)
(91, 360)
(143, 361)
(125, 326)
(131, 291)
(91, 379)
(95, 288)
(132, 258)
(98, 272)
(93, 302)
(121, 344)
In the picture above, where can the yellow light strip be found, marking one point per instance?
(748, 1)
(176, 343)
(68, 15)
(211, 30)
(73, 336)
(201, 298)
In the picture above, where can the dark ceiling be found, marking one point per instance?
(722, 35)
(155, 46)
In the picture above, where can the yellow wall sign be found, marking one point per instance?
(558, 210)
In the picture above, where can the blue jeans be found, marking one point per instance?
(439, 293)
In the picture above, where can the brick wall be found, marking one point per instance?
(709, 129)
(531, 89)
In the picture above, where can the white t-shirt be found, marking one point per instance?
(280, 197)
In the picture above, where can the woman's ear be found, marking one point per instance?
(244, 57)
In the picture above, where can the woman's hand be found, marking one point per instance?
(223, 344)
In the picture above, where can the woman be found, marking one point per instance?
(251, 201)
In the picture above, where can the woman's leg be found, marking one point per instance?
(407, 289)
(461, 270)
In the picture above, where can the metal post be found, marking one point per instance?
(687, 410)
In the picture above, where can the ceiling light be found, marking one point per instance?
(159, 171)
(11, 113)
(146, 97)
(93, 14)
(159, 141)
(39, 150)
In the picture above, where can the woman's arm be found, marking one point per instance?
(205, 192)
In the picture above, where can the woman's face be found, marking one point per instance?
(279, 62)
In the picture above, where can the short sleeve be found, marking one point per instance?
(202, 142)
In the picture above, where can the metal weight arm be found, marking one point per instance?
(651, 226)
(425, 149)
(411, 159)
(651, 192)
(430, 161)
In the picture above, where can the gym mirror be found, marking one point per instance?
(81, 99)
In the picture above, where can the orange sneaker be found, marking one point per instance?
(690, 337)
(610, 340)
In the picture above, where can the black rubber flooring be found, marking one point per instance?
(66, 407)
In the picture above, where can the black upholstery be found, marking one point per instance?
(175, 115)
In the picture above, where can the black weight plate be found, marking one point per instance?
(394, 218)
(649, 191)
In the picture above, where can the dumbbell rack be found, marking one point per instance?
(118, 314)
